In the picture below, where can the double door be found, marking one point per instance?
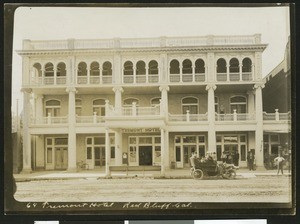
(188, 150)
(99, 156)
(61, 158)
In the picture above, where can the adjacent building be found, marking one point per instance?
(143, 102)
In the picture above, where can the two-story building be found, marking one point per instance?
(152, 101)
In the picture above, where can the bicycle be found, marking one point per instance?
(82, 165)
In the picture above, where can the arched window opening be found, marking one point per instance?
(128, 102)
(234, 66)
(221, 66)
(187, 67)
(141, 68)
(52, 108)
(107, 69)
(189, 104)
(82, 69)
(128, 68)
(94, 69)
(174, 67)
(155, 101)
(78, 105)
(153, 68)
(61, 69)
(247, 65)
(37, 70)
(49, 72)
(199, 66)
(99, 107)
(238, 103)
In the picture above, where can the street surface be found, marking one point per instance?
(257, 189)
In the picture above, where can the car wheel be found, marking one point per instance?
(198, 174)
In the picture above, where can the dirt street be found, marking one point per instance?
(259, 189)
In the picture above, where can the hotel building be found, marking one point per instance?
(146, 102)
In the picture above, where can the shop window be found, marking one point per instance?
(199, 66)
(132, 154)
(266, 138)
(49, 155)
(219, 138)
(201, 139)
(274, 138)
(61, 141)
(89, 141)
(242, 138)
(177, 139)
(132, 140)
(157, 140)
(178, 153)
(174, 67)
(145, 140)
(49, 141)
(157, 154)
(89, 153)
(230, 139)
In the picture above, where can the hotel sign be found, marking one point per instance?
(140, 130)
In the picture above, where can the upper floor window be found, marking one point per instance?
(234, 66)
(99, 107)
(238, 103)
(128, 68)
(247, 65)
(141, 68)
(174, 67)
(221, 66)
(189, 104)
(37, 70)
(82, 69)
(107, 69)
(187, 67)
(129, 101)
(52, 108)
(94, 69)
(49, 69)
(155, 101)
(78, 105)
(199, 66)
(61, 69)
(153, 68)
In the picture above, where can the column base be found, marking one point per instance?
(26, 171)
(72, 170)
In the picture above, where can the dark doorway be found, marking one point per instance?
(145, 155)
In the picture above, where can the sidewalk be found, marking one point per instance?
(98, 174)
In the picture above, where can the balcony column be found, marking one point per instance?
(72, 130)
(147, 73)
(193, 73)
(211, 117)
(163, 150)
(71, 71)
(241, 71)
(259, 125)
(88, 75)
(43, 76)
(107, 153)
(164, 100)
(252, 71)
(210, 68)
(251, 102)
(39, 107)
(118, 147)
(118, 99)
(180, 73)
(54, 76)
(26, 135)
(227, 73)
(134, 75)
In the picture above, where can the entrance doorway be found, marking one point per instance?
(145, 155)
(99, 156)
(232, 152)
(187, 153)
(61, 158)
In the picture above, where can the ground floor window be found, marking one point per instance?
(56, 153)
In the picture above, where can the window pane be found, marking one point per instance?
(201, 139)
(177, 139)
(193, 109)
(132, 140)
(274, 138)
(49, 141)
(112, 152)
(266, 138)
(243, 138)
(219, 138)
(89, 140)
(243, 152)
(219, 152)
(89, 153)
(99, 141)
(189, 139)
(157, 154)
(178, 153)
(201, 151)
(145, 140)
(230, 139)
(61, 141)
(49, 155)
(78, 111)
(132, 154)
(157, 139)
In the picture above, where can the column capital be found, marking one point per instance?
(26, 90)
(211, 86)
(259, 85)
(118, 88)
(165, 87)
(71, 89)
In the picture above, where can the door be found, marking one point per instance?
(61, 158)
(232, 152)
(145, 155)
(187, 153)
(99, 156)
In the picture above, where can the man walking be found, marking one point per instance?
(279, 161)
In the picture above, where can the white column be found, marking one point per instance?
(211, 117)
(259, 125)
(210, 68)
(227, 73)
(118, 99)
(117, 65)
(240, 69)
(26, 134)
(54, 75)
(163, 149)
(163, 68)
(164, 100)
(167, 151)
(72, 131)
(251, 102)
(118, 148)
(258, 67)
(107, 153)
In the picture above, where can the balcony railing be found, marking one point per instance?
(277, 116)
(200, 77)
(60, 80)
(50, 120)
(89, 119)
(234, 76)
(235, 117)
(187, 117)
(140, 79)
(81, 80)
(133, 111)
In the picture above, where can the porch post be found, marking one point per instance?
(163, 150)
(72, 131)
(118, 99)
(107, 153)
(26, 135)
(164, 100)
(118, 148)
(211, 117)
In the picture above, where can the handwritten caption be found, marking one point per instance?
(109, 205)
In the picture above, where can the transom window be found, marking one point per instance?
(189, 104)
(238, 103)
(129, 101)
(52, 108)
(99, 107)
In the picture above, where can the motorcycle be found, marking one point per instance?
(200, 169)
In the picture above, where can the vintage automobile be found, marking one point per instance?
(200, 169)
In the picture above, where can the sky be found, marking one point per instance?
(50, 23)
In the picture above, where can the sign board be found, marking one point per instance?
(140, 130)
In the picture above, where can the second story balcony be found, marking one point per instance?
(133, 111)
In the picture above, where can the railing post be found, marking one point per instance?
(106, 108)
(276, 115)
(95, 117)
(187, 115)
(49, 118)
(134, 109)
(234, 115)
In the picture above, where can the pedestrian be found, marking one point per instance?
(250, 159)
(236, 159)
(279, 161)
(224, 157)
(214, 156)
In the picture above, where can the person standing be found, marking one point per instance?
(279, 162)
(250, 159)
